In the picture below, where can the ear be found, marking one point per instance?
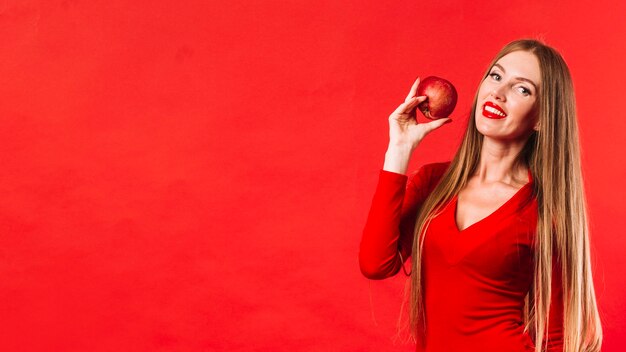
(537, 126)
(537, 123)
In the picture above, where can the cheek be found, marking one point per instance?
(484, 87)
(523, 108)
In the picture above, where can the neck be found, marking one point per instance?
(497, 163)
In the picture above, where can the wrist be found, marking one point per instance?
(397, 158)
(400, 148)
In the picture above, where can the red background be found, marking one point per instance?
(195, 176)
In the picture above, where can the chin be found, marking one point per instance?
(486, 129)
(488, 132)
(482, 125)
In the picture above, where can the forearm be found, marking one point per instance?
(379, 244)
(397, 158)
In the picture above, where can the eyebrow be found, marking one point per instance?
(518, 78)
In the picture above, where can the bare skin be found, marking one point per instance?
(405, 133)
(493, 184)
(495, 181)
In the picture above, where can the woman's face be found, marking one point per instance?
(505, 108)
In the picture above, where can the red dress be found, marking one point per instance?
(475, 280)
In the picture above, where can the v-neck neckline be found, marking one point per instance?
(492, 214)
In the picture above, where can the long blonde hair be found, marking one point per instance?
(553, 156)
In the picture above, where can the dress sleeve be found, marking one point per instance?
(391, 221)
(555, 324)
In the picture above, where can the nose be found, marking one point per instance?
(498, 93)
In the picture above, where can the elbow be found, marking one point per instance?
(373, 271)
(370, 273)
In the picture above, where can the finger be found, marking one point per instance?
(413, 90)
(415, 101)
(410, 104)
(433, 125)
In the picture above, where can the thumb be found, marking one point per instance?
(433, 125)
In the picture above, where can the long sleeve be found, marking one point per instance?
(391, 219)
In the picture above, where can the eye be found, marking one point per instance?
(495, 76)
(525, 91)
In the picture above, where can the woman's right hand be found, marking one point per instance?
(404, 130)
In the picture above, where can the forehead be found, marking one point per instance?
(521, 64)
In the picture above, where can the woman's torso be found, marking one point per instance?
(476, 279)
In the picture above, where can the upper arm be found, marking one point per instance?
(391, 221)
(418, 188)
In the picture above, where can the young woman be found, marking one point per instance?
(498, 236)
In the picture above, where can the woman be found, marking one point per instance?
(502, 259)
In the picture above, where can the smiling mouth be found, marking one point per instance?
(492, 112)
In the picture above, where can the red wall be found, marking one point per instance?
(195, 176)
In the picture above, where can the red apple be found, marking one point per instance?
(441, 97)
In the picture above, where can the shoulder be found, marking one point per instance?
(437, 168)
(429, 174)
(431, 170)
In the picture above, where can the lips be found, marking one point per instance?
(493, 111)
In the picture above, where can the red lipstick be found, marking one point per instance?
(493, 111)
